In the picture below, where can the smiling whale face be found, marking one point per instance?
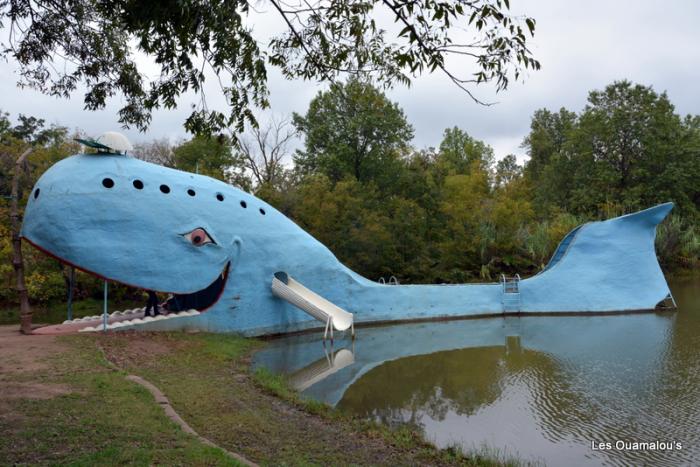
(138, 223)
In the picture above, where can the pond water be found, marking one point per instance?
(540, 389)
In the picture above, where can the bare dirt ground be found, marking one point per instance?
(20, 357)
(22, 353)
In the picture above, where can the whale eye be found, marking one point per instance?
(198, 237)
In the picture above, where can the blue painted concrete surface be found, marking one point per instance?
(143, 237)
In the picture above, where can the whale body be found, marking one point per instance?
(217, 249)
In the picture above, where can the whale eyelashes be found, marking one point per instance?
(198, 237)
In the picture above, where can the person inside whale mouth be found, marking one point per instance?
(151, 304)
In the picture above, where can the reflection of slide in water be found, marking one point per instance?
(322, 368)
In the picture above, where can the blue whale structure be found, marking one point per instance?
(217, 249)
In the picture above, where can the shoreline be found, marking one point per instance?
(88, 412)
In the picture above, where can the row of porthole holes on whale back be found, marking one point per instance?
(165, 189)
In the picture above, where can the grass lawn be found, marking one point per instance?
(94, 416)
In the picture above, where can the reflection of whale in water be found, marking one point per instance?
(457, 381)
(322, 368)
(575, 341)
(550, 404)
(460, 380)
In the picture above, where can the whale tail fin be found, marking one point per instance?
(650, 217)
(608, 265)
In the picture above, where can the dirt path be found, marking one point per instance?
(22, 353)
(22, 356)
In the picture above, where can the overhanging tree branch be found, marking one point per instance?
(323, 39)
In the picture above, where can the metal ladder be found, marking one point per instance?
(511, 293)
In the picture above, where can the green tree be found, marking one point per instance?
(44, 276)
(97, 41)
(627, 150)
(466, 235)
(641, 151)
(459, 152)
(353, 130)
(507, 171)
(509, 213)
(547, 169)
(345, 217)
(549, 131)
(214, 157)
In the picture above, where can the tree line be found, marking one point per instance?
(445, 214)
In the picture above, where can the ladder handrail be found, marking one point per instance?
(392, 281)
(511, 299)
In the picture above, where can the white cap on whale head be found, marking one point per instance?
(116, 142)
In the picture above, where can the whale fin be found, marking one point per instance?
(608, 265)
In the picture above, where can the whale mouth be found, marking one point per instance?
(178, 305)
(203, 299)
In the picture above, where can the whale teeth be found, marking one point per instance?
(129, 322)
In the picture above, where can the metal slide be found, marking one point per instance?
(332, 315)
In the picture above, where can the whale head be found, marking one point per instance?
(140, 224)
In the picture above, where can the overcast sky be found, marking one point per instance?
(582, 45)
